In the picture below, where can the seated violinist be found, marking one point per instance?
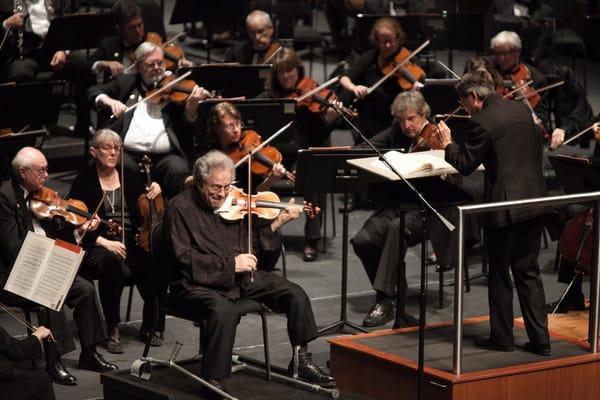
(506, 47)
(225, 131)
(260, 45)
(116, 53)
(162, 130)
(17, 218)
(387, 38)
(376, 243)
(312, 125)
(110, 260)
(211, 270)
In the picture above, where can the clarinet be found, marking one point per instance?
(18, 7)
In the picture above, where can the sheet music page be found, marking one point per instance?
(30, 261)
(409, 163)
(56, 279)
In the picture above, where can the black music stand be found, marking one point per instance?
(231, 80)
(576, 175)
(325, 170)
(78, 31)
(265, 116)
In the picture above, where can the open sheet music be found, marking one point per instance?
(44, 270)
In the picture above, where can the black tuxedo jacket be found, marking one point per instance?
(180, 131)
(505, 139)
(12, 349)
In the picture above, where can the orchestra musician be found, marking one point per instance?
(111, 261)
(506, 46)
(212, 269)
(310, 128)
(30, 171)
(18, 384)
(115, 53)
(259, 46)
(505, 140)
(376, 243)
(24, 55)
(225, 131)
(162, 131)
(387, 38)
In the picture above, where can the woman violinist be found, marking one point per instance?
(111, 260)
(387, 37)
(311, 128)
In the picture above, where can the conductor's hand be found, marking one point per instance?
(42, 332)
(558, 137)
(153, 191)
(245, 262)
(445, 133)
(115, 67)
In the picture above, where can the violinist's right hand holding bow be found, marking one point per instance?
(360, 91)
(245, 262)
(191, 106)
(116, 107)
(14, 21)
(42, 333)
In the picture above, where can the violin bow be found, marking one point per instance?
(318, 89)
(397, 67)
(263, 144)
(26, 324)
(577, 135)
(447, 68)
(249, 212)
(156, 93)
(87, 229)
(540, 90)
(122, 195)
(266, 60)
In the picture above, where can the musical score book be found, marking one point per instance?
(44, 270)
(410, 165)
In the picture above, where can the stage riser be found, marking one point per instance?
(380, 379)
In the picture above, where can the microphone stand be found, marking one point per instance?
(425, 205)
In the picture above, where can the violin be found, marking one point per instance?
(518, 78)
(151, 37)
(270, 52)
(177, 93)
(429, 139)
(173, 54)
(263, 160)
(407, 75)
(265, 205)
(47, 204)
(314, 101)
(150, 210)
(576, 241)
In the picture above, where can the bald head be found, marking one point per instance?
(260, 29)
(30, 168)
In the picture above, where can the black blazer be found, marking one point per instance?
(506, 141)
(12, 349)
(180, 131)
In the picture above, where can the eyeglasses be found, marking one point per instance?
(153, 64)
(258, 32)
(39, 171)
(233, 126)
(217, 188)
(504, 53)
(108, 147)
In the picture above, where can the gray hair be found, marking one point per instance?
(259, 14)
(410, 100)
(506, 37)
(23, 159)
(214, 159)
(478, 82)
(105, 136)
(146, 48)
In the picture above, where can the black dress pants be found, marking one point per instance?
(222, 317)
(516, 247)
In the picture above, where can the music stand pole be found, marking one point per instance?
(424, 206)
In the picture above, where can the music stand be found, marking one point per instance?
(78, 31)
(231, 80)
(576, 175)
(325, 170)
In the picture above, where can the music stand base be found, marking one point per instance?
(339, 326)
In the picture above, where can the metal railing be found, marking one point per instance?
(504, 205)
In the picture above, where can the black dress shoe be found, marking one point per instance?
(59, 374)
(380, 314)
(489, 344)
(310, 372)
(310, 253)
(406, 321)
(211, 394)
(539, 349)
(95, 362)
